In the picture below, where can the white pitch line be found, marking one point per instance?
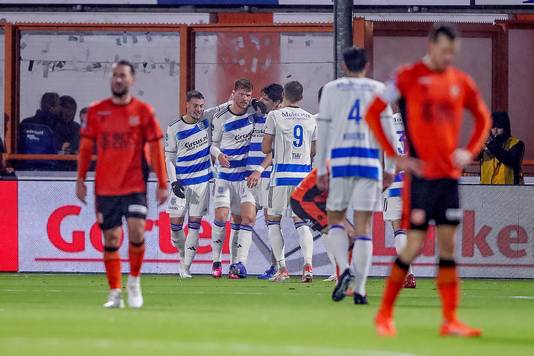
(200, 346)
(521, 297)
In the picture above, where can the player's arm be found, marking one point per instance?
(216, 138)
(170, 162)
(270, 131)
(322, 133)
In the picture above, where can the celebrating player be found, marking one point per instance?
(259, 163)
(356, 168)
(393, 202)
(187, 147)
(293, 131)
(232, 129)
(433, 95)
(120, 127)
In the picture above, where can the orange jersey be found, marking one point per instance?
(432, 105)
(309, 203)
(307, 189)
(120, 133)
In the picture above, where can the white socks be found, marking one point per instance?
(178, 238)
(362, 254)
(245, 240)
(234, 242)
(331, 257)
(277, 241)
(401, 239)
(337, 244)
(218, 233)
(191, 243)
(305, 241)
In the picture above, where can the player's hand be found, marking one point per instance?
(162, 194)
(253, 179)
(178, 189)
(461, 158)
(81, 191)
(410, 165)
(387, 180)
(223, 160)
(322, 182)
(259, 107)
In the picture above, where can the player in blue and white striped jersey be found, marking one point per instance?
(393, 200)
(232, 129)
(259, 163)
(187, 151)
(292, 131)
(356, 174)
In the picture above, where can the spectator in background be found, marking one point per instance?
(66, 130)
(4, 170)
(83, 116)
(36, 133)
(502, 156)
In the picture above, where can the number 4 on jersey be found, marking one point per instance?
(355, 112)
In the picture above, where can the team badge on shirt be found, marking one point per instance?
(134, 120)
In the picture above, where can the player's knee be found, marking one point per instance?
(177, 221)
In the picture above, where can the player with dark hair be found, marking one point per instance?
(356, 177)
(120, 127)
(187, 153)
(432, 95)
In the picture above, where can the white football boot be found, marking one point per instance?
(114, 299)
(135, 297)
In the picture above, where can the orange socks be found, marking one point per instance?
(449, 288)
(112, 262)
(136, 253)
(394, 284)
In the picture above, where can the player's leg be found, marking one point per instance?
(197, 198)
(109, 213)
(271, 271)
(248, 219)
(136, 253)
(275, 211)
(401, 239)
(362, 254)
(306, 246)
(218, 232)
(176, 209)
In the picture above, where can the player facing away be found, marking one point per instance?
(187, 153)
(120, 127)
(432, 95)
(232, 129)
(290, 136)
(393, 201)
(258, 163)
(356, 168)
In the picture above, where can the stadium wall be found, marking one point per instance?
(45, 229)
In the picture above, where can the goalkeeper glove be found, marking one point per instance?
(178, 189)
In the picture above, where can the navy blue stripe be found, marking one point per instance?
(194, 225)
(237, 124)
(337, 226)
(288, 181)
(260, 119)
(355, 171)
(239, 163)
(272, 222)
(235, 226)
(254, 161)
(197, 180)
(399, 232)
(299, 224)
(236, 151)
(186, 133)
(245, 227)
(364, 238)
(394, 192)
(219, 223)
(399, 177)
(234, 177)
(194, 168)
(255, 146)
(290, 167)
(266, 174)
(176, 227)
(195, 156)
(361, 152)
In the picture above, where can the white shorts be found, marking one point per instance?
(361, 194)
(261, 193)
(195, 203)
(231, 195)
(392, 209)
(280, 201)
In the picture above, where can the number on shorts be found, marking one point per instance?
(298, 134)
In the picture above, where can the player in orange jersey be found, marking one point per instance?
(432, 96)
(120, 127)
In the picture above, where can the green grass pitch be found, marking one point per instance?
(62, 315)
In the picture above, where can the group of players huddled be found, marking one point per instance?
(270, 154)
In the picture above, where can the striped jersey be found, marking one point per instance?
(232, 133)
(352, 148)
(395, 189)
(255, 154)
(191, 144)
(294, 130)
